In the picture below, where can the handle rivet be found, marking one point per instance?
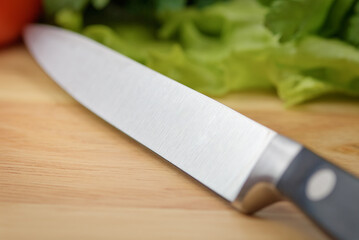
(321, 184)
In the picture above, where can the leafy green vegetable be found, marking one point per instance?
(164, 5)
(315, 66)
(336, 16)
(52, 6)
(69, 19)
(295, 18)
(221, 47)
(352, 31)
(100, 4)
(267, 3)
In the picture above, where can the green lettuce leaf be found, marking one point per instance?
(53, 6)
(291, 19)
(222, 47)
(336, 15)
(352, 31)
(315, 66)
(213, 59)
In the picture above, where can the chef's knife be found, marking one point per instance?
(244, 162)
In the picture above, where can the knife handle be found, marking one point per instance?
(324, 192)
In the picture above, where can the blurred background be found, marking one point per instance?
(299, 49)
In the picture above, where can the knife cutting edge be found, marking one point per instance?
(244, 162)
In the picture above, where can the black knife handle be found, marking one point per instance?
(325, 193)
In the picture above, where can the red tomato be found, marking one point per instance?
(14, 15)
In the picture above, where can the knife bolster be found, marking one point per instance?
(259, 190)
(259, 196)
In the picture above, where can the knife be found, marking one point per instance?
(244, 162)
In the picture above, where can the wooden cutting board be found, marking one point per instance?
(66, 174)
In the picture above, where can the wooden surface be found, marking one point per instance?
(66, 174)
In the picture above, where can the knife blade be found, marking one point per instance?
(244, 162)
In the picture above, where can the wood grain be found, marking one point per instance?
(66, 174)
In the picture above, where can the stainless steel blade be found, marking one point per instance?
(211, 142)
